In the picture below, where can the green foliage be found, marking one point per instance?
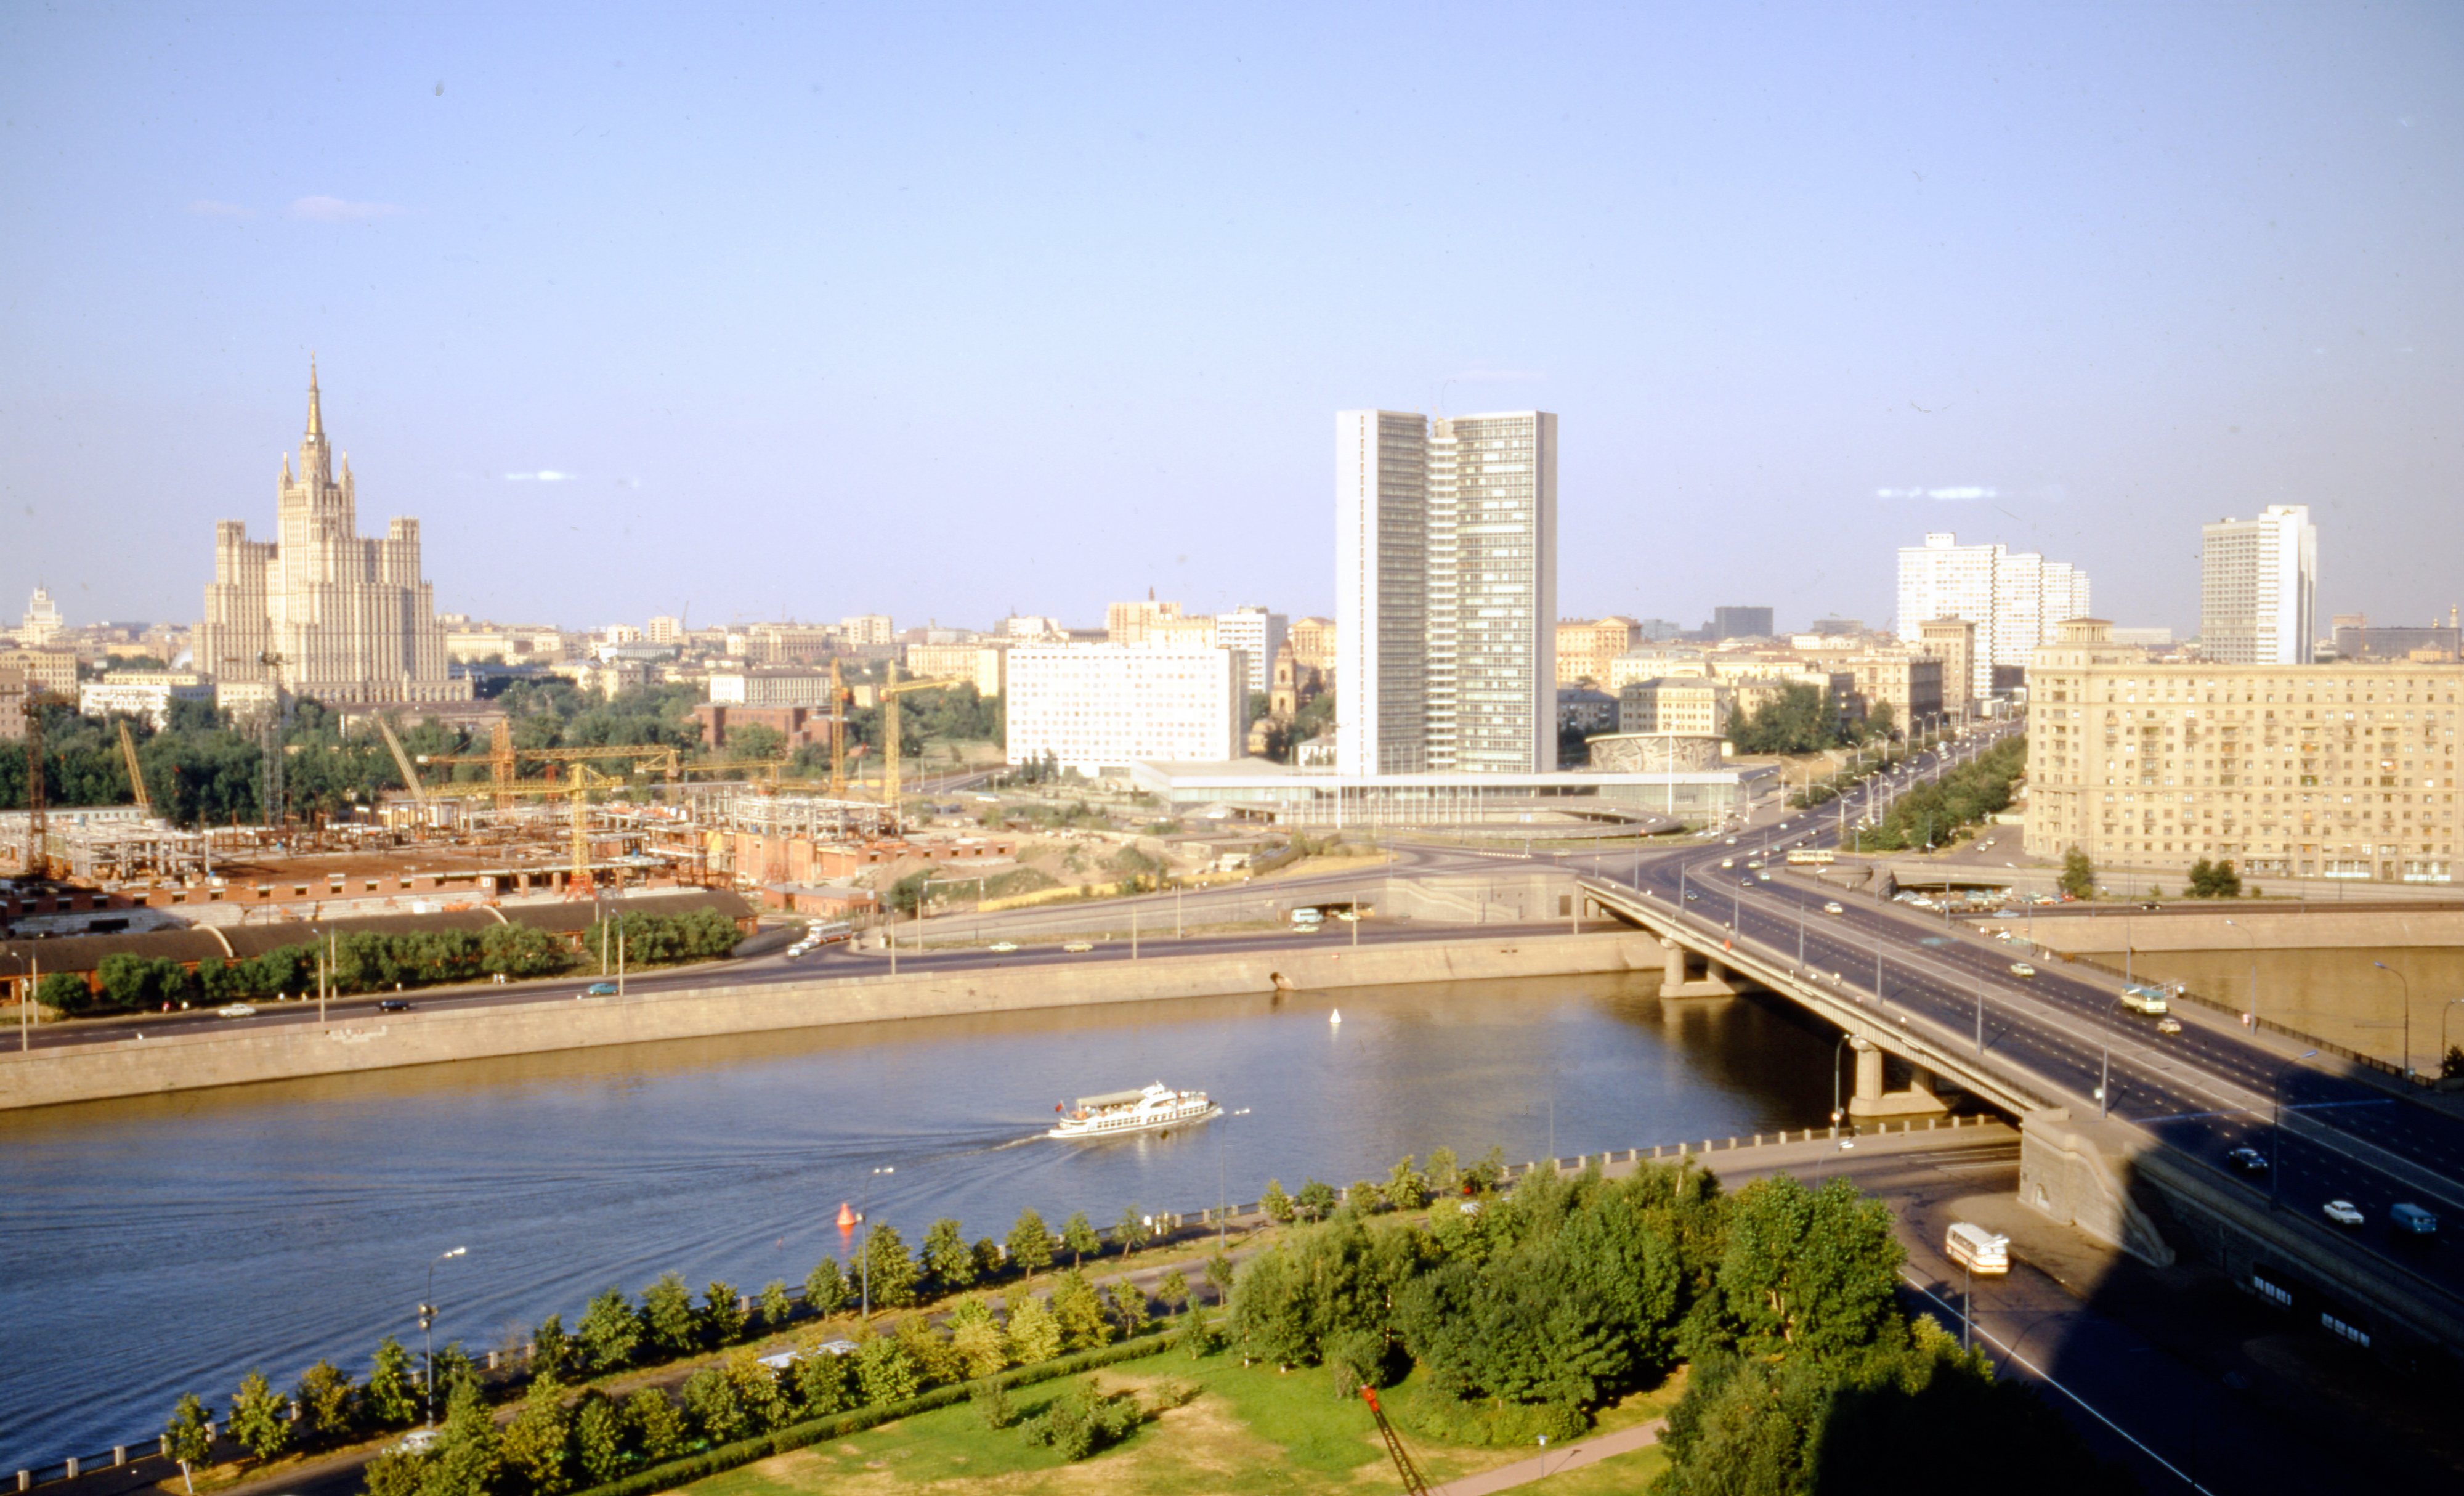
(598, 1439)
(259, 1417)
(391, 1397)
(610, 1331)
(976, 1342)
(1444, 1177)
(713, 1407)
(887, 1372)
(1129, 1304)
(1797, 720)
(1079, 1312)
(554, 1354)
(774, 1304)
(1082, 1421)
(1173, 1291)
(1078, 1235)
(893, 1273)
(2214, 880)
(698, 934)
(668, 1315)
(907, 894)
(1929, 812)
(1031, 1243)
(188, 1438)
(1809, 1271)
(722, 1315)
(535, 1445)
(947, 1257)
(1034, 1335)
(139, 983)
(1315, 1202)
(824, 1287)
(62, 993)
(993, 1406)
(1277, 1205)
(325, 1399)
(469, 1454)
(2078, 875)
(653, 1425)
(1130, 1232)
(1484, 1423)
(824, 1383)
(1406, 1187)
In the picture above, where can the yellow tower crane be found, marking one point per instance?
(576, 789)
(892, 688)
(136, 775)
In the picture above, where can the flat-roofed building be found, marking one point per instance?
(2259, 588)
(1131, 622)
(770, 688)
(982, 665)
(868, 629)
(1313, 643)
(2345, 770)
(1650, 661)
(1586, 646)
(1954, 642)
(1687, 706)
(1094, 707)
(143, 694)
(52, 670)
(1257, 633)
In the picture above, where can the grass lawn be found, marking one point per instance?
(1248, 1429)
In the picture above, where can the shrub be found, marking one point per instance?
(1082, 1421)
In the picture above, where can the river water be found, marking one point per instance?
(173, 1243)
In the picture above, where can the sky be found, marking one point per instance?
(946, 312)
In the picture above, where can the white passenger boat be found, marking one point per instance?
(1158, 1105)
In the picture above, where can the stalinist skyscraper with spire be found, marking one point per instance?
(319, 611)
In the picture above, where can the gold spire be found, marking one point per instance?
(315, 417)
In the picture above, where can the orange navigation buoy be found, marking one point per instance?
(848, 1217)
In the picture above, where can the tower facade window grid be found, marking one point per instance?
(2258, 583)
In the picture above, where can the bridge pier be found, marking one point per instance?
(1684, 974)
(1871, 1100)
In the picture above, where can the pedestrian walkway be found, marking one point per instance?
(1555, 1462)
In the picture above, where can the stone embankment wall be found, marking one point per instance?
(367, 1042)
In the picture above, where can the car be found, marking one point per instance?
(1762, 877)
(599, 989)
(1727, 861)
(1079, 947)
(394, 1005)
(1732, 841)
(2022, 969)
(1745, 883)
(2343, 1212)
(2249, 1160)
(1692, 897)
(235, 1010)
(1834, 908)
(2169, 1025)
(1004, 947)
(2151, 904)
(418, 1442)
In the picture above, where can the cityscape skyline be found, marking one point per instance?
(2281, 279)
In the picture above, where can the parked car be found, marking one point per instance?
(1834, 908)
(599, 989)
(394, 1005)
(235, 1010)
(2343, 1212)
(2249, 1160)
(1004, 947)
(2022, 969)
(416, 1442)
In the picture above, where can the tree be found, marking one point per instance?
(722, 1315)
(535, 1443)
(258, 1418)
(1810, 1271)
(553, 1351)
(825, 1287)
(885, 1372)
(468, 1454)
(656, 1427)
(63, 993)
(1315, 1202)
(1034, 1335)
(324, 1401)
(947, 1255)
(599, 1438)
(188, 1438)
(987, 1254)
(668, 1315)
(1218, 1275)
(774, 1304)
(1031, 1243)
(393, 1395)
(1406, 1189)
(1129, 1306)
(1793, 721)
(610, 1331)
(976, 1338)
(1131, 1230)
(1078, 1233)
(1173, 1292)
(894, 1272)
(824, 1383)
(1079, 1312)
(1277, 1205)
(2078, 875)
(713, 1407)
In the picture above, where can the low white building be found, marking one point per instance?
(1094, 707)
(145, 694)
(770, 688)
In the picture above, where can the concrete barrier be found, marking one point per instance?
(242, 1056)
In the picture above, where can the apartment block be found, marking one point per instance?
(867, 629)
(1587, 647)
(143, 694)
(982, 665)
(1105, 705)
(1257, 633)
(1954, 642)
(51, 670)
(1134, 621)
(2333, 770)
(1313, 643)
(2014, 598)
(1689, 705)
(2259, 588)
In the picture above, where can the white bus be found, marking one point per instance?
(1977, 1250)
(1810, 857)
(2139, 998)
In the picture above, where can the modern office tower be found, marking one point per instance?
(2336, 771)
(1256, 633)
(2016, 598)
(1106, 706)
(2259, 584)
(1445, 582)
(1741, 623)
(321, 611)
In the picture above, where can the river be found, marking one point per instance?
(168, 1244)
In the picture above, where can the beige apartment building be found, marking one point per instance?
(1954, 642)
(981, 665)
(1688, 706)
(1586, 646)
(1313, 643)
(2334, 771)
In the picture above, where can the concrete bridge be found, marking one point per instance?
(2124, 1133)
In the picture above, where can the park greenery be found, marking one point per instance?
(365, 961)
(2214, 880)
(1799, 721)
(1928, 814)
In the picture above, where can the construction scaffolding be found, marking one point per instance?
(107, 846)
(815, 818)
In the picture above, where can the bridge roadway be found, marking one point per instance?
(1916, 986)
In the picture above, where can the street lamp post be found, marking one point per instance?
(2276, 1126)
(866, 1267)
(2245, 933)
(2408, 1013)
(427, 1328)
(1222, 1184)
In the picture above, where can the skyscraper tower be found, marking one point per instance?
(2259, 588)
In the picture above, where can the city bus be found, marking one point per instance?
(1978, 1250)
(1811, 856)
(2139, 998)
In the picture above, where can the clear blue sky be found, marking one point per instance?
(942, 313)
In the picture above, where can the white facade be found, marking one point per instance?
(1447, 593)
(770, 688)
(2258, 586)
(1105, 705)
(1256, 633)
(2016, 599)
(867, 629)
(42, 620)
(142, 693)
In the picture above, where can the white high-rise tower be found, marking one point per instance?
(2258, 586)
(1447, 593)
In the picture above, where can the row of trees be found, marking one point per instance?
(381, 961)
(1926, 814)
(1800, 720)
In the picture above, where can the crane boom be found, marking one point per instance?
(892, 688)
(401, 761)
(136, 775)
(1414, 1483)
